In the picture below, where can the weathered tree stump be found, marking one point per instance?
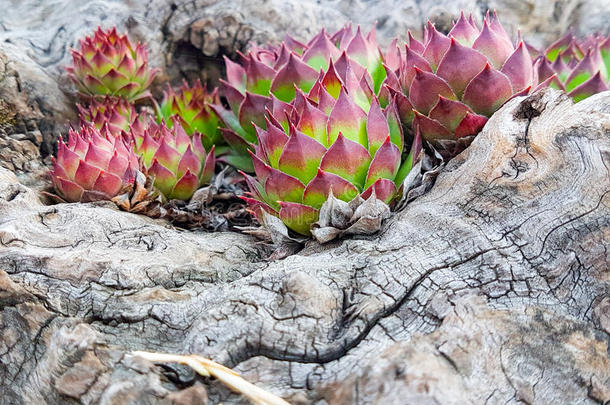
(492, 288)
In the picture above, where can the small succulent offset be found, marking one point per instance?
(191, 106)
(118, 113)
(580, 67)
(326, 146)
(94, 165)
(179, 163)
(452, 84)
(271, 76)
(108, 64)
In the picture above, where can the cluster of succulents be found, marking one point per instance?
(111, 75)
(579, 67)
(306, 123)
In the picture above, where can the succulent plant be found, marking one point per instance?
(326, 146)
(191, 105)
(178, 163)
(452, 84)
(580, 67)
(268, 78)
(94, 165)
(118, 113)
(108, 64)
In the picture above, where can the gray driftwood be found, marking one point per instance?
(491, 289)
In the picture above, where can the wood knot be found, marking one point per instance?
(531, 107)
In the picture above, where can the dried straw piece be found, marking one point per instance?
(228, 377)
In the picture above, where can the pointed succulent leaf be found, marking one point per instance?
(281, 112)
(358, 49)
(293, 45)
(472, 124)
(318, 189)
(331, 81)
(592, 86)
(205, 177)
(258, 77)
(262, 169)
(188, 162)
(384, 189)
(298, 217)
(518, 67)
(396, 135)
(347, 159)
(393, 56)
(283, 187)
(301, 156)
(167, 156)
(430, 129)
(464, 32)
(69, 189)
(494, 25)
(313, 123)
(449, 113)
(407, 71)
(487, 91)
(236, 75)
(272, 142)
(86, 174)
(294, 73)
(385, 163)
(233, 95)
(185, 187)
(425, 90)
(320, 52)
(230, 120)
(164, 178)
(235, 141)
(349, 119)
(459, 65)
(403, 106)
(252, 111)
(345, 67)
(377, 128)
(415, 45)
(493, 45)
(436, 46)
(410, 161)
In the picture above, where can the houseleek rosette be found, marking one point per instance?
(579, 67)
(268, 79)
(448, 86)
(327, 146)
(178, 163)
(191, 106)
(107, 63)
(93, 165)
(118, 113)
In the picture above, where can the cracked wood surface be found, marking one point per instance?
(492, 288)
